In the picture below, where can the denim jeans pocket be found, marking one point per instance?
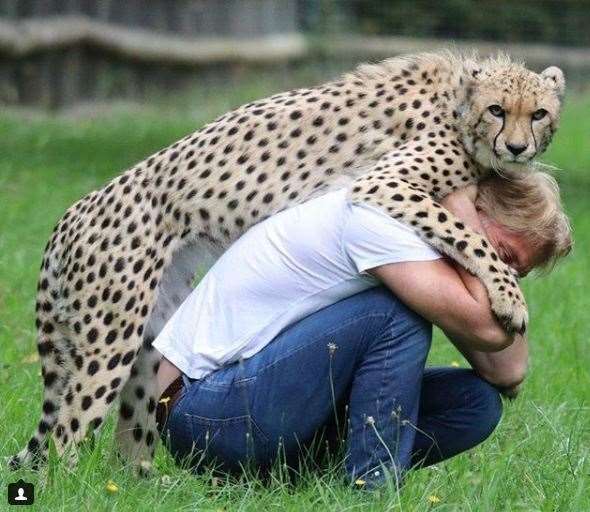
(230, 442)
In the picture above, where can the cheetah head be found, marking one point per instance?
(509, 113)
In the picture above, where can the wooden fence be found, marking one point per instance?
(58, 52)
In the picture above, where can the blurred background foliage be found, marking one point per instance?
(560, 22)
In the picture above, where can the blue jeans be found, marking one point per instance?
(365, 354)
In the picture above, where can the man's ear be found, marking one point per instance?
(555, 78)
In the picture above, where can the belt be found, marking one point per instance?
(167, 401)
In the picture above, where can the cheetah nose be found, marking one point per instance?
(516, 149)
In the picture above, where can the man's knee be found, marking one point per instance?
(488, 401)
(421, 327)
(410, 320)
(402, 320)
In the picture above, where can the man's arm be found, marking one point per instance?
(435, 291)
(506, 368)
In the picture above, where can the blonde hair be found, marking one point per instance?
(529, 205)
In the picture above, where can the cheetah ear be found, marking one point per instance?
(472, 70)
(469, 79)
(554, 77)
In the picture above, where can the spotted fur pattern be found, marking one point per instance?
(400, 135)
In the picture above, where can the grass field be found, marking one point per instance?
(538, 459)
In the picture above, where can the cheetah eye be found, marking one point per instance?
(539, 114)
(496, 110)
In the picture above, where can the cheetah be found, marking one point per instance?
(400, 135)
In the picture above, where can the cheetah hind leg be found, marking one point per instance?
(55, 377)
(54, 342)
(444, 231)
(88, 400)
(136, 429)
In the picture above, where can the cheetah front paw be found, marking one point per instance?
(510, 310)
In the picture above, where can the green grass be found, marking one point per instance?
(536, 460)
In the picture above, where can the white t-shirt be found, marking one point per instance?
(281, 270)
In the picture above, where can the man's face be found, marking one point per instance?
(512, 248)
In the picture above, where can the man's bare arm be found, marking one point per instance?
(435, 291)
(506, 368)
